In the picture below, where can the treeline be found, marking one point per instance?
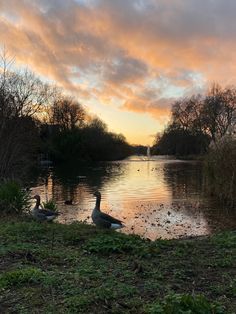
(69, 133)
(89, 142)
(206, 125)
(38, 119)
(197, 121)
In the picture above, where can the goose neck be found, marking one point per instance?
(98, 201)
(37, 203)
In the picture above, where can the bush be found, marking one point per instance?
(220, 171)
(13, 199)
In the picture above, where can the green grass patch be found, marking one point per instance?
(113, 242)
(184, 304)
(21, 276)
(79, 268)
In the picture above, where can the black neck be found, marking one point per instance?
(98, 201)
(37, 203)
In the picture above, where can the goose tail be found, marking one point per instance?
(117, 226)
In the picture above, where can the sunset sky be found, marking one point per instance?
(124, 60)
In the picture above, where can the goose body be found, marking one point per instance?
(104, 220)
(68, 202)
(42, 214)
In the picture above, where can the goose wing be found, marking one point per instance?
(47, 212)
(110, 219)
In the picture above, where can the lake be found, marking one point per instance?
(159, 197)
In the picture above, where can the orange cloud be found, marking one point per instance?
(105, 50)
(159, 108)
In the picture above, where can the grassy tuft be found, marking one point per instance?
(13, 199)
(184, 304)
(20, 277)
(50, 205)
(113, 242)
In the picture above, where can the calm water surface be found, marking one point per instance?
(156, 198)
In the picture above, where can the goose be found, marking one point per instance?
(42, 214)
(103, 220)
(68, 202)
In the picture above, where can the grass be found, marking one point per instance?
(48, 268)
(185, 303)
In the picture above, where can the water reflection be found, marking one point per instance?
(156, 198)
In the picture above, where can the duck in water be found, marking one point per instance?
(42, 214)
(103, 220)
(68, 202)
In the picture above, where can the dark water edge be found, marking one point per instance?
(160, 197)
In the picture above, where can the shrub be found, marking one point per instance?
(220, 171)
(13, 199)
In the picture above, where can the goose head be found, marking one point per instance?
(36, 197)
(97, 194)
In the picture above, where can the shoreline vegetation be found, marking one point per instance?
(78, 268)
(220, 171)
